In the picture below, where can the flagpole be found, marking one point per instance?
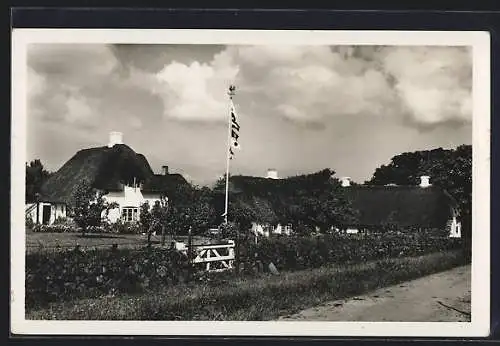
(228, 157)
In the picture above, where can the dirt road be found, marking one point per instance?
(432, 298)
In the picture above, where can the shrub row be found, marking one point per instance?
(76, 273)
(292, 253)
(247, 299)
(69, 274)
(70, 227)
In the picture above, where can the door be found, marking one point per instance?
(46, 214)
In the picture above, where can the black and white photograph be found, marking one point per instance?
(250, 183)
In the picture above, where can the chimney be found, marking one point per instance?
(164, 170)
(345, 181)
(272, 173)
(424, 181)
(115, 138)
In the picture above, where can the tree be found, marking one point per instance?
(146, 219)
(151, 218)
(305, 201)
(185, 207)
(89, 206)
(36, 175)
(319, 201)
(191, 207)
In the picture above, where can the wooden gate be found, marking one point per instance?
(215, 257)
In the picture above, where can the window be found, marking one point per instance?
(130, 214)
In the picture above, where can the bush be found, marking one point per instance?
(292, 253)
(97, 229)
(28, 223)
(71, 274)
(54, 228)
(65, 221)
(121, 227)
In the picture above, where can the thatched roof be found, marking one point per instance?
(163, 183)
(376, 205)
(401, 205)
(264, 187)
(105, 169)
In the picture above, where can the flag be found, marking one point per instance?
(235, 133)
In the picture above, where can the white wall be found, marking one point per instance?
(263, 230)
(259, 229)
(129, 197)
(455, 228)
(57, 210)
(32, 213)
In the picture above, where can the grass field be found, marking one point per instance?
(48, 241)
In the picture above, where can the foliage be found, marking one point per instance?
(66, 228)
(252, 298)
(88, 207)
(229, 230)
(77, 273)
(186, 207)
(36, 175)
(55, 228)
(65, 221)
(121, 227)
(149, 219)
(70, 274)
(28, 223)
(292, 253)
(305, 201)
(146, 218)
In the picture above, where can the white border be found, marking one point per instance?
(480, 41)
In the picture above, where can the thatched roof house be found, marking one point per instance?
(107, 169)
(122, 174)
(422, 206)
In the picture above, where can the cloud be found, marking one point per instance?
(433, 83)
(195, 91)
(424, 86)
(72, 63)
(301, 107)
(59, 76)
(153, 57)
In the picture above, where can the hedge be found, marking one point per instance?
(245, 299)
(70, 274)
(67, 227)
(295, 253)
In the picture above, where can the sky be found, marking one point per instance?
(301, 108)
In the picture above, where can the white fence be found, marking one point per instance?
(215, 257)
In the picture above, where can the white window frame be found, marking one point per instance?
(129, 214)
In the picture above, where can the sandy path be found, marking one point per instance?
(419, 300)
